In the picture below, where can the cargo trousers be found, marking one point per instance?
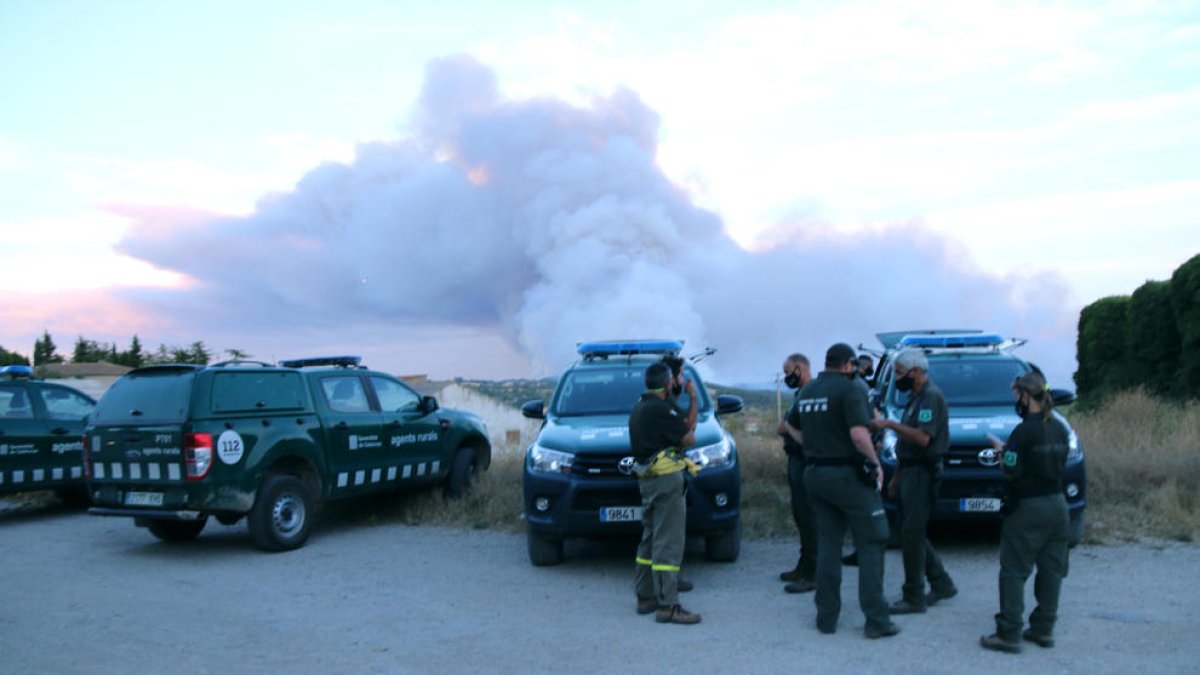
(840, 500)
(802, 513)
(664, 531)
(1034, 534)
(918, 490)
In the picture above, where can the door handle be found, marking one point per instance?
(59, 431)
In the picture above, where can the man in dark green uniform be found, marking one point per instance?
(1035, 521)
(923, 434)
(837, 447)
(801, 578)
(658, 433)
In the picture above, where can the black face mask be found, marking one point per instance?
(676, 390)
(905, 383)
(1022, 408)
(792, 380)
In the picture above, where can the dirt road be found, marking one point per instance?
(80, 594)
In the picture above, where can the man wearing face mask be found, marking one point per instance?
(923, 434)
(801, 578)
(837, 446)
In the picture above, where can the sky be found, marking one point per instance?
(470, 188)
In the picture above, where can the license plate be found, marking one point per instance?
(143, 499)
(979, 505)
(620, 514)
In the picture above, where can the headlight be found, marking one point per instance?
(1074, 449)
(717, 454)
(550, 461)
(888, 452)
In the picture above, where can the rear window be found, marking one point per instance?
(252, 391)
(611, 391)
(159, 395)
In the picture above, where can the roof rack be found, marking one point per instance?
(336, 361)
(605, 348)
(240, 362)
(14, 371)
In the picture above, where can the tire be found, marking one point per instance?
(725, 546)
(462, 473)
(75, 498)
(544, 551)
(1075, 528)
(176, 531)
(282, 515)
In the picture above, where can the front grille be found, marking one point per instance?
(595, 465)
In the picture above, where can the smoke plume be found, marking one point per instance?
(547, 223)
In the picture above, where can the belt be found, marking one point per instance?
(667, 462)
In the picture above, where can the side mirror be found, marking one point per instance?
(728, 403)
(534, 410)
(428, 405)
(1062, 396)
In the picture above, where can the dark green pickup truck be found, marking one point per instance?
(172, 445)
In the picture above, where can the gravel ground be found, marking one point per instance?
(81, 594)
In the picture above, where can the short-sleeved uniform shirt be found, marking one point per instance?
(927, 411)
(825, 410)
(1035, 456)
(655, 424)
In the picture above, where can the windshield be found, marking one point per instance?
(611, 391)
(971, 381)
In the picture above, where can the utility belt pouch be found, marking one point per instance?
(868, 472)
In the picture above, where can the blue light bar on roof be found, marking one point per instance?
(951, 341)
(338, 361)
(16, 371)
(627, 347)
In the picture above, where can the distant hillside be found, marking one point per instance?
(517, 392)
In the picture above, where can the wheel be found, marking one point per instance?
(176, 531)
(725, 546)
(1075, 528)
(544, 551)
(282, 514)
(76, 497)
(462, 472)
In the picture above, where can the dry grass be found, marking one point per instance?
(1143, 461)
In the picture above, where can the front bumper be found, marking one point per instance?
(959, 484)
(573, 503)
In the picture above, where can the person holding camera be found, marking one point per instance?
(801, 578)
(658, 434)
(1035, 518)
(843, 480)
(922, 436)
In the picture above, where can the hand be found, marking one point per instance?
(690, 387)
(878, 424)
(878, 479)
(996, 442)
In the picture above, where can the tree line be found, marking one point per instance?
(1149, 339)
(45, 352)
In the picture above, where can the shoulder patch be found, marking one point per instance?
(926, 415)
(1010, 458)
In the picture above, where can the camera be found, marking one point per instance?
(675, 363)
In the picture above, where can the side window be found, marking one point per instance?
(345, 393)
(64, 404)
(14, 404)
(395, 397)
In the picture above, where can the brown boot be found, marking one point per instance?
(676, 614)
(792, 574)
(646, 605)
(999, 644)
